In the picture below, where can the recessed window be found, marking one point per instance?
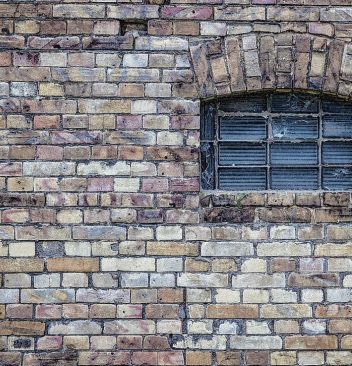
(275, 142)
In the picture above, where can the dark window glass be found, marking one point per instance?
(275, 142)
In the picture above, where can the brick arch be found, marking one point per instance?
(255, 61)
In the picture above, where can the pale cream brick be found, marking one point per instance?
(312, 295)
(202, 280)
(159, 122)
(257, 280)
(78, 248)
(284, 358)
(74, 280)
(69, 217)
(126, 184)
(310, 358)
(198, 295)
(169, 232)
(255, 342)
(103, 342)
(143, 106)
(255, 296)
(282, 232)
(170, 138)
(22, 249)
(135, 60)
(284, 249)
(257, 327)
(104, 248)
(227, 296)
(197, 233)
(128, 264)
(280, 296)
(204, 326)
(286, 311)
(254, 265)
(286, 326)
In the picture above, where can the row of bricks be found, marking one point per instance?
(110, 139)
(132, 216)
(96, 106)
(286, 299)
(237, 342)
(157, 216)
(97, 59)
(97, 122)
(168, 264)
(270, 200)
(165, 27)
(199, 12)
(334, 232)
(99, 89)
(191, 279)
(192, 358)
(166, 232)
(200, 327)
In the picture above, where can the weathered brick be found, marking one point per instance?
(33, 328)
(129, 327)
(311, 342)
(73, 265)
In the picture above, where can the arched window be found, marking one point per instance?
(277, 141)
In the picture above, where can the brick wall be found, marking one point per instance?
(110, 254)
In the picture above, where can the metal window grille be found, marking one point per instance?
(276, 141)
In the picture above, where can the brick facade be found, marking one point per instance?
(110, 254)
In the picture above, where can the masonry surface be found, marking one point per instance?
(110, 254)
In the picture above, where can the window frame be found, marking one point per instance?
(210, 139)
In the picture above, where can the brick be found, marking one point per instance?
(311, 342)
(19, 328)
(202, 280)
(79, 11)
(99, 232)
(226, 249)
(318, 280)
(333, 311)
(133, 12)
(336, 14)
(145, 358)
(291, 215)
(172, 249)
(72, 265)
(255, 342)
(228, 358)
(158, 44)
(48, 311)
(102, 296)
(170, 358)
(128, 264)
(232, 311)
(21, 265)
(286, 311)
(38, 296)
(67, 358)
(333, 250)
(282, 249)
(180, 12)
(129, 327)
(256, 280)
(49, 343)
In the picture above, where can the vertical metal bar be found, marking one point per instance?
(319, 141)
(269, 138)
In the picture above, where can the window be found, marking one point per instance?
(276, 141)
